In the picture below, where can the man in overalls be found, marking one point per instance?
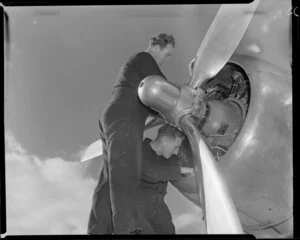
(122, 124)
(159, 166)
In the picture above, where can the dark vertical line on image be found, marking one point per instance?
(6, 57)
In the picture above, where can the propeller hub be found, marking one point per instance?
(212, 117)
(170, 101)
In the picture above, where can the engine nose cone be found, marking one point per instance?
(159, 94)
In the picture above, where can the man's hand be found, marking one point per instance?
(186, 171)
(136, 231)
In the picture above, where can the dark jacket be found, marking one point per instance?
(122, 126)
(152, 210)
(124, 102)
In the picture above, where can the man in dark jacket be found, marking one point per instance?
(122, 124)
(160, 165)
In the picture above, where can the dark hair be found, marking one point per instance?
(162, 40)
(169, 131)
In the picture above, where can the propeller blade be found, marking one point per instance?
(221, 40)
(220, 214)
(92, 151)
(190, 132)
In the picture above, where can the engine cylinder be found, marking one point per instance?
(223, 118)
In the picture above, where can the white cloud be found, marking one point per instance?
(189, 223)
(45, 196)
(11, 144)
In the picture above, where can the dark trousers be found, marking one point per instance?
(154, 217)
(116, 193)
(100, 219)
(154, 214)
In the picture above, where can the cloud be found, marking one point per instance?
(49, 196)
(189, 223)
(11, 144)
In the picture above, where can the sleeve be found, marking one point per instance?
(101, 130)
(148, 66)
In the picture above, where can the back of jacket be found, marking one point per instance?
(124, 102)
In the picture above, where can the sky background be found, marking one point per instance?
(63, 64)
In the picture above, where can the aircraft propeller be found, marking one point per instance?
(218, 45)
(217, 205)
(220, 42)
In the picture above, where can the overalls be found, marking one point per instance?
(122, 125)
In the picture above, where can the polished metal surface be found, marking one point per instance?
(193, 135)
(221, 40)
(160, 95)
(184, 105)
(220, 214)
(258, 166)
(220, 114)
(268, 36)
(167, 99)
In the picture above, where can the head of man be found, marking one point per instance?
(168, 141)
(161, 47)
